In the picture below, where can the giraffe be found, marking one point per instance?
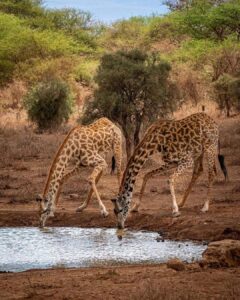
(182, 144)
(85, 145)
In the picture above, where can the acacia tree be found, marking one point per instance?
(185, 4)
(133, 90)
(209, 19)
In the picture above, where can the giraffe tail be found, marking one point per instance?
(113, 165)
(221, 159)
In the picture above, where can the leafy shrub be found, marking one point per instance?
(85, 71)
(227, 89)
(49, 103)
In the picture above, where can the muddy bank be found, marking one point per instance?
(130, 282)
(217, 224)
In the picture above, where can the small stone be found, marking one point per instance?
(176, 264)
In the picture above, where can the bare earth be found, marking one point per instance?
(25, 158)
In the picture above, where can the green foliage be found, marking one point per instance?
(19, 44)
(204, 20)
(133, 90)
(227, 89)
(126, 34)
(193, 50)
(85, 71)
(69, 19)
(165, 27)
(22, 8)
(49, 103)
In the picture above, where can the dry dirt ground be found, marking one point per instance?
(25, 158)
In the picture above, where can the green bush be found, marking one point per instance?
(227, 90)
(49, 103)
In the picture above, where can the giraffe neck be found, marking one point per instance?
(141, 153)
(57, 169)
(55, 177)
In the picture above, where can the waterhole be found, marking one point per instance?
(24, 248)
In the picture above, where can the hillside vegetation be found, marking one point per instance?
(199, 39)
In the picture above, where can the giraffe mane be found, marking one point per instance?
(55, 160)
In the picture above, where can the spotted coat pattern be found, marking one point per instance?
(182, 144)
(86, 146)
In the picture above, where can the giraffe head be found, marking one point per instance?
(120, 210)
(43, 203)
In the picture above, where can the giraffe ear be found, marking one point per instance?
(39, 198)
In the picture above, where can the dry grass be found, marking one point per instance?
(12, 95)
(167, 291)
(153, 291)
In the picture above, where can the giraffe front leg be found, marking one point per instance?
(86, 202)
(145, 180)
(175, 209)
(100, 164)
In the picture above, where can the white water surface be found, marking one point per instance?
(24, 248)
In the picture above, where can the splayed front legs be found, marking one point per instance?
(86, 202)
(99, 165)
(159, 171)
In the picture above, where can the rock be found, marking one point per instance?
(176, 264)
(225, 253)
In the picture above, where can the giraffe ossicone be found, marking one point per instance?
(86, 145)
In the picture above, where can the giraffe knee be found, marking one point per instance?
(91, 180)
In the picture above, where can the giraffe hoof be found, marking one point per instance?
(176, 214)
(104, 213)
(79, 209)
(134, 210)
(204, 210)
(51, 214)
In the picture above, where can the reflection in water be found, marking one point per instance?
(24, 248)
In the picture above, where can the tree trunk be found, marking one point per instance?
(128, 147)
(227, 107)
(137, 131)
(128, 142)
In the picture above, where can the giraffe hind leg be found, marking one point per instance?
(197, 171)
(182, 166)
(211, 176)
